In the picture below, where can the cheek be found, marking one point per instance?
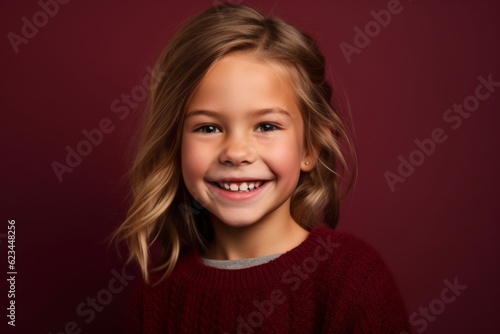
(286, 159)
(194, 162)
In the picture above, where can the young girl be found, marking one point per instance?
(238, 181)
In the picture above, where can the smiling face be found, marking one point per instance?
(242, 142)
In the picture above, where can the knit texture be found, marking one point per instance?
(331, 283)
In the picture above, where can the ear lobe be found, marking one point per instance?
(312, 150)
(309, 161)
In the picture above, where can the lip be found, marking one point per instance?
(236, 179)
(238, 196)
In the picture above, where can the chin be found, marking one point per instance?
(237, 221)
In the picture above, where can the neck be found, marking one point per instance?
(257, 240)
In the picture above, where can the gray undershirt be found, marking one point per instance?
(239, 264)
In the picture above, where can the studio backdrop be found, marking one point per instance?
(421, 79)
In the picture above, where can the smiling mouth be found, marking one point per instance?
(241, 187)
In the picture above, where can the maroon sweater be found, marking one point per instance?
(331, 283)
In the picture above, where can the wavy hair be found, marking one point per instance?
(162, 209)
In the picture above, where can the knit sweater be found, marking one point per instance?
(331, 283)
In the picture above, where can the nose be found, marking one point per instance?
(236, 151)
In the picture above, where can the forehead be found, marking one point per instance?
(244, 81)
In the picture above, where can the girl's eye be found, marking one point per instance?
(267, 127)
(207, 129)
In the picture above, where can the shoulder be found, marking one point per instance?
(355, 274)
(349, 263)
(157, 281)
(343, 248)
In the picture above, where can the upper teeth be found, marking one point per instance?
(243, 186)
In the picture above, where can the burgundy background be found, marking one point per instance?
(439, 224)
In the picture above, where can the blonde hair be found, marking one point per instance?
(162, 210)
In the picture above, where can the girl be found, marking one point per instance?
(238, 181)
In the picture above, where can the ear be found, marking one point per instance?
(309, 160)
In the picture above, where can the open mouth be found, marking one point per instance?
(242, 187)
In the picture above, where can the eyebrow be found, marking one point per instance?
(260, 112)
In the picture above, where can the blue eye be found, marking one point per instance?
(267, 127)
(207, 129)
